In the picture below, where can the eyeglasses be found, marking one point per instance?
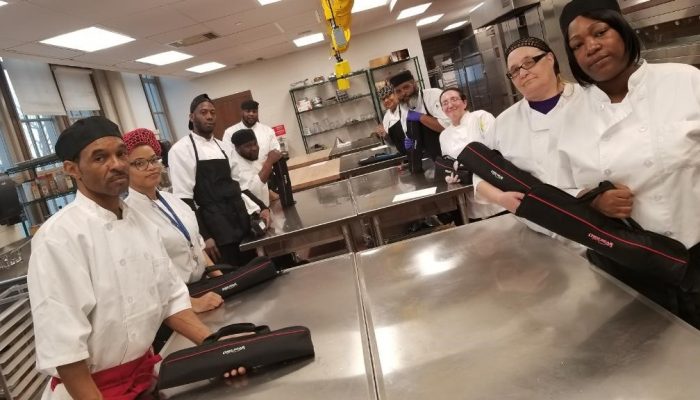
(141, 164)
(527, 64)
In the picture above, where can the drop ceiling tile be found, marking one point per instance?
(205, 10)
(98, 10)
(97, 58)
(28, 23)
(150, 22)
(134, 50)
(180, 33)
(42, 50)
(134, 66)
(6, 42)
(301, 22)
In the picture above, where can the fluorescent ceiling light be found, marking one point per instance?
(3, 3)
(202, 68)
(413, 11)
(167, 57)
(88, 39)
(392, 3)
(475, 7)
(455, 25)
(308, 39)
(266, 2)
(363, 5)
(429, 20)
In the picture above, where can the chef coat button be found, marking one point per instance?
(648, 163)
(607, 172)
(602, 106)
(643, 129)
(658, 197)
(122, 262)
(146, 256)
(605, 138)
(109, 227)
(130, 299)
(668, 233)
(151, 291)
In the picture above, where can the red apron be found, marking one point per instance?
(125, 381)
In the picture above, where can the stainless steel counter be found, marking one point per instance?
(374, 195)
(320, 215)
(355, 145)
(350, 163)
(322, 296)
(492, 310)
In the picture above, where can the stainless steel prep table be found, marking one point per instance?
(350, 163)
(374, 194)
(322, 296)
(492, 310)
(320, 215)
(354, 146)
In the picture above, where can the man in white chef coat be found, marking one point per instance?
(267, 141)
(100, 281)
(247, 171)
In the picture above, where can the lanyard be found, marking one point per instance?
(174, 219)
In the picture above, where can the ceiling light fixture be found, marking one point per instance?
(88, 39)
(429, 20)
(308, 39)
(3, 3)
(266, 2)
(413, 11)
(202, 68)
(364, 5)
(392, 3)
(475, 7)
(165, 58)
(455, 25)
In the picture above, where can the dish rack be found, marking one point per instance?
(19, 378)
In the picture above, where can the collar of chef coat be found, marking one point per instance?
(544, 122)
(103, 213)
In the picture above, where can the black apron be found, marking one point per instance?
(218, 197)
(397, 135)
(427, 140)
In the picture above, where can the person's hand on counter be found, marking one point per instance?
(266, 217)
(206, 303)
(380, 131)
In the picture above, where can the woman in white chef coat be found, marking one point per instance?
(466, 127)
(526, 133)
(174, 219)
(638, 126)
(391, 128)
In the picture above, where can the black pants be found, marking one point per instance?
(683, 303)
(232, 254)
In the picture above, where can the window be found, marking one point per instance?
(151, 87)
(76, 115)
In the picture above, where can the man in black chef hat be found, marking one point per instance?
(100, 281)
(200, 171)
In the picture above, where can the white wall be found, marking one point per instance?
(269, 80)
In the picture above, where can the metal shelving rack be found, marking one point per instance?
(359, 79)
(384, 72)
(31, 167)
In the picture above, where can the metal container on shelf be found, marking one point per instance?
(316, 102)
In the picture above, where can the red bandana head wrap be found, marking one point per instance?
(139, 137)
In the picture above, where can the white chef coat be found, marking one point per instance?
(528, 139)
(99, 287)
(432, 102)
(390, 118)
(183, 169)
(188, 261)
(649, 142)
(267, 141)
(246, 173)
(472, 128)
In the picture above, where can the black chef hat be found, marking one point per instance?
(242, 136)
(401, 77)
(83, 132)
(249, 105)
(578, 7)
(528, 42)
(195, 102)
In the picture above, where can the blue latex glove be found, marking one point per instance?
(413, 116)
(408, 143)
